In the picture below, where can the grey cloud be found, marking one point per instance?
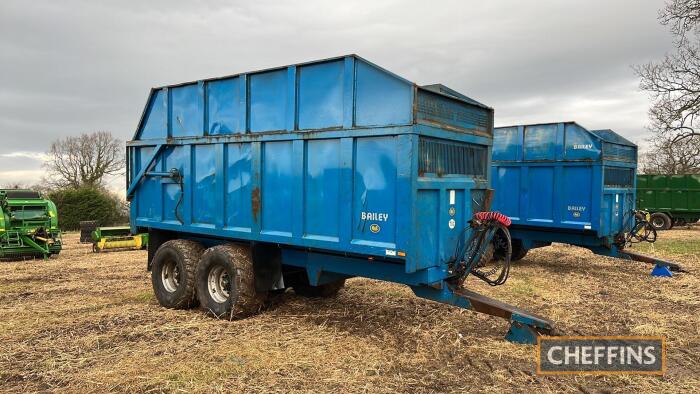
(78, 66)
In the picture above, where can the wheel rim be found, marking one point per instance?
(657, 222)
(170, 276)
(219, 284)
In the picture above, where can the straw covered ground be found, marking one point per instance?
(87, 322)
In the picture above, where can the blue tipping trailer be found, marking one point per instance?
(305, 175)
(559, 182)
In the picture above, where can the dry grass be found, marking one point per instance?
(89, 323)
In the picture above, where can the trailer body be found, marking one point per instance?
(559, 182)
(343, 167)
(676, 196)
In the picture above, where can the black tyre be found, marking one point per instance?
(519, 251)
(660, 221)
(86, 229)
(173, 273)
(226, 282)
(323, 291)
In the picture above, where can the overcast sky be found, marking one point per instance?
(68, 67)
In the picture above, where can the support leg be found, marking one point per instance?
(635, 256)
(524, 328)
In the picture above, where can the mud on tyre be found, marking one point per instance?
(173, 273)
(226, 282)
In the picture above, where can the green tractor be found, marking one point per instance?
(28, 225)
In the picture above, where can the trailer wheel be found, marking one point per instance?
(326, 290)
(660, 221)
(226, 282)
(173, 273)
(518, 250)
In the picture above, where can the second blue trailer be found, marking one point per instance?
(559, 182)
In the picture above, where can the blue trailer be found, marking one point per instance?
(305, 175)
(559, 182)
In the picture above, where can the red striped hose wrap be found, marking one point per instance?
(486, 216)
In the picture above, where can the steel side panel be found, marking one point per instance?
(381, 98)
(540, 142)
(156, 117)
(238, 189)
(541, 188)
(507, 180)
(187, 112)
(374, 194)
(268, 101)
(204, 207)
(147, 207)
(277, 188)
(174, 159)
(224, 113)
(321, 95)
(351, 195)
(580, 144)
(322, 185)
(428, 201)
(576, 206)
(507, 144)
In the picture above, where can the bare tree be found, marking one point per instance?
(669, 157)
(674, 83)
(84, 160)
(683, 16)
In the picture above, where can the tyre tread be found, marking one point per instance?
(190, 251)
(249, 301)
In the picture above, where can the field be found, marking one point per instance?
(88, 322)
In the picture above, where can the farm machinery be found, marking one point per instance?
(320, 172)
(560, 182)
(28, 225)
(117, 238)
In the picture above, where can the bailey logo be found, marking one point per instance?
(374, 227)
(375, 216)
(583, 146)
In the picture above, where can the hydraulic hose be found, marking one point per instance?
(472, 248)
